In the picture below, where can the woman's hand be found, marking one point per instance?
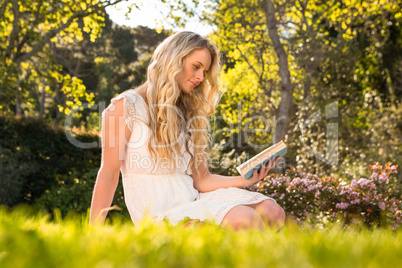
(257, 176)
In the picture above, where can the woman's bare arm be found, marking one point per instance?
(115, 134)
(204, 181)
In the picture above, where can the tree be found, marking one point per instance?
(115, 62)
(340, 48)
(249, 30)
(28, 27)
(339, 61)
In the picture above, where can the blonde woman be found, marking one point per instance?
(156, 135)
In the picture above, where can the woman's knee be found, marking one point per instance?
(243, 217)
(271, 212)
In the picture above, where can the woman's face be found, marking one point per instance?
(196, 65)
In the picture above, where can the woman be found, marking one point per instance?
(156, 135)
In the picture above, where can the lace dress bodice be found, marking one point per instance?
(137, 158)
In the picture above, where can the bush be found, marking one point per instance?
(305, 196)
(35, 156)
(73, 194)
(11, 179)
(38, 165)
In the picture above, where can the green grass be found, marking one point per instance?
(32, 240)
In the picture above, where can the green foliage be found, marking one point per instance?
(341, 53)
(115, 62)
(70, 76)
(28, 31)
(73, 193)
(11, 179)
(39, 166)
(31, 240)
(73, 90)
(247, 110)
(36, 157)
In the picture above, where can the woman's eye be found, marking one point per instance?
(196, 67)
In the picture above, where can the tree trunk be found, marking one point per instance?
(286, 105)
(396, 78)
(42, 103)
(57, 103)
(18, 110)
(307, 85)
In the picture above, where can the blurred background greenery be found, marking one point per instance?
(324, 76)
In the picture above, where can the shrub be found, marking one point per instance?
(73, 193)
(11, 179)
(34, 156)
(307, 197)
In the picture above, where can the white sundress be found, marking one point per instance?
(159, 194)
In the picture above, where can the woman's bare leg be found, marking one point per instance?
(271, 213)
(243, 217)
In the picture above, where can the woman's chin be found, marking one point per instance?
(187, 90)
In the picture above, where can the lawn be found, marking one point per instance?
(30, 239)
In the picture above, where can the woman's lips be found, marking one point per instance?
(194, 84)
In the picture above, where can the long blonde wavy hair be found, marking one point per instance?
(173, 112)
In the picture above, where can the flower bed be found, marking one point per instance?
(307, 197)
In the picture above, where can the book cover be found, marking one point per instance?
(247, 168)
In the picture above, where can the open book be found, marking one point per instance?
(247, 168)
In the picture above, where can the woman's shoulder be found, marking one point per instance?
(132, 96)
(130, 104)
(137, 95)
(129, 95)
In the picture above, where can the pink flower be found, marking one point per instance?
(383, 178)
(393, 168)
(344, 190)
(353, 183)
(296, 180)
(381, 205)
(342, 205)
(311, 187)
(374, 176)
(363, 182)
(356, 201)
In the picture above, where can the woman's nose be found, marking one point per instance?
(200, 76)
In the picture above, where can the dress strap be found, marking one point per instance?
(135, 108)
